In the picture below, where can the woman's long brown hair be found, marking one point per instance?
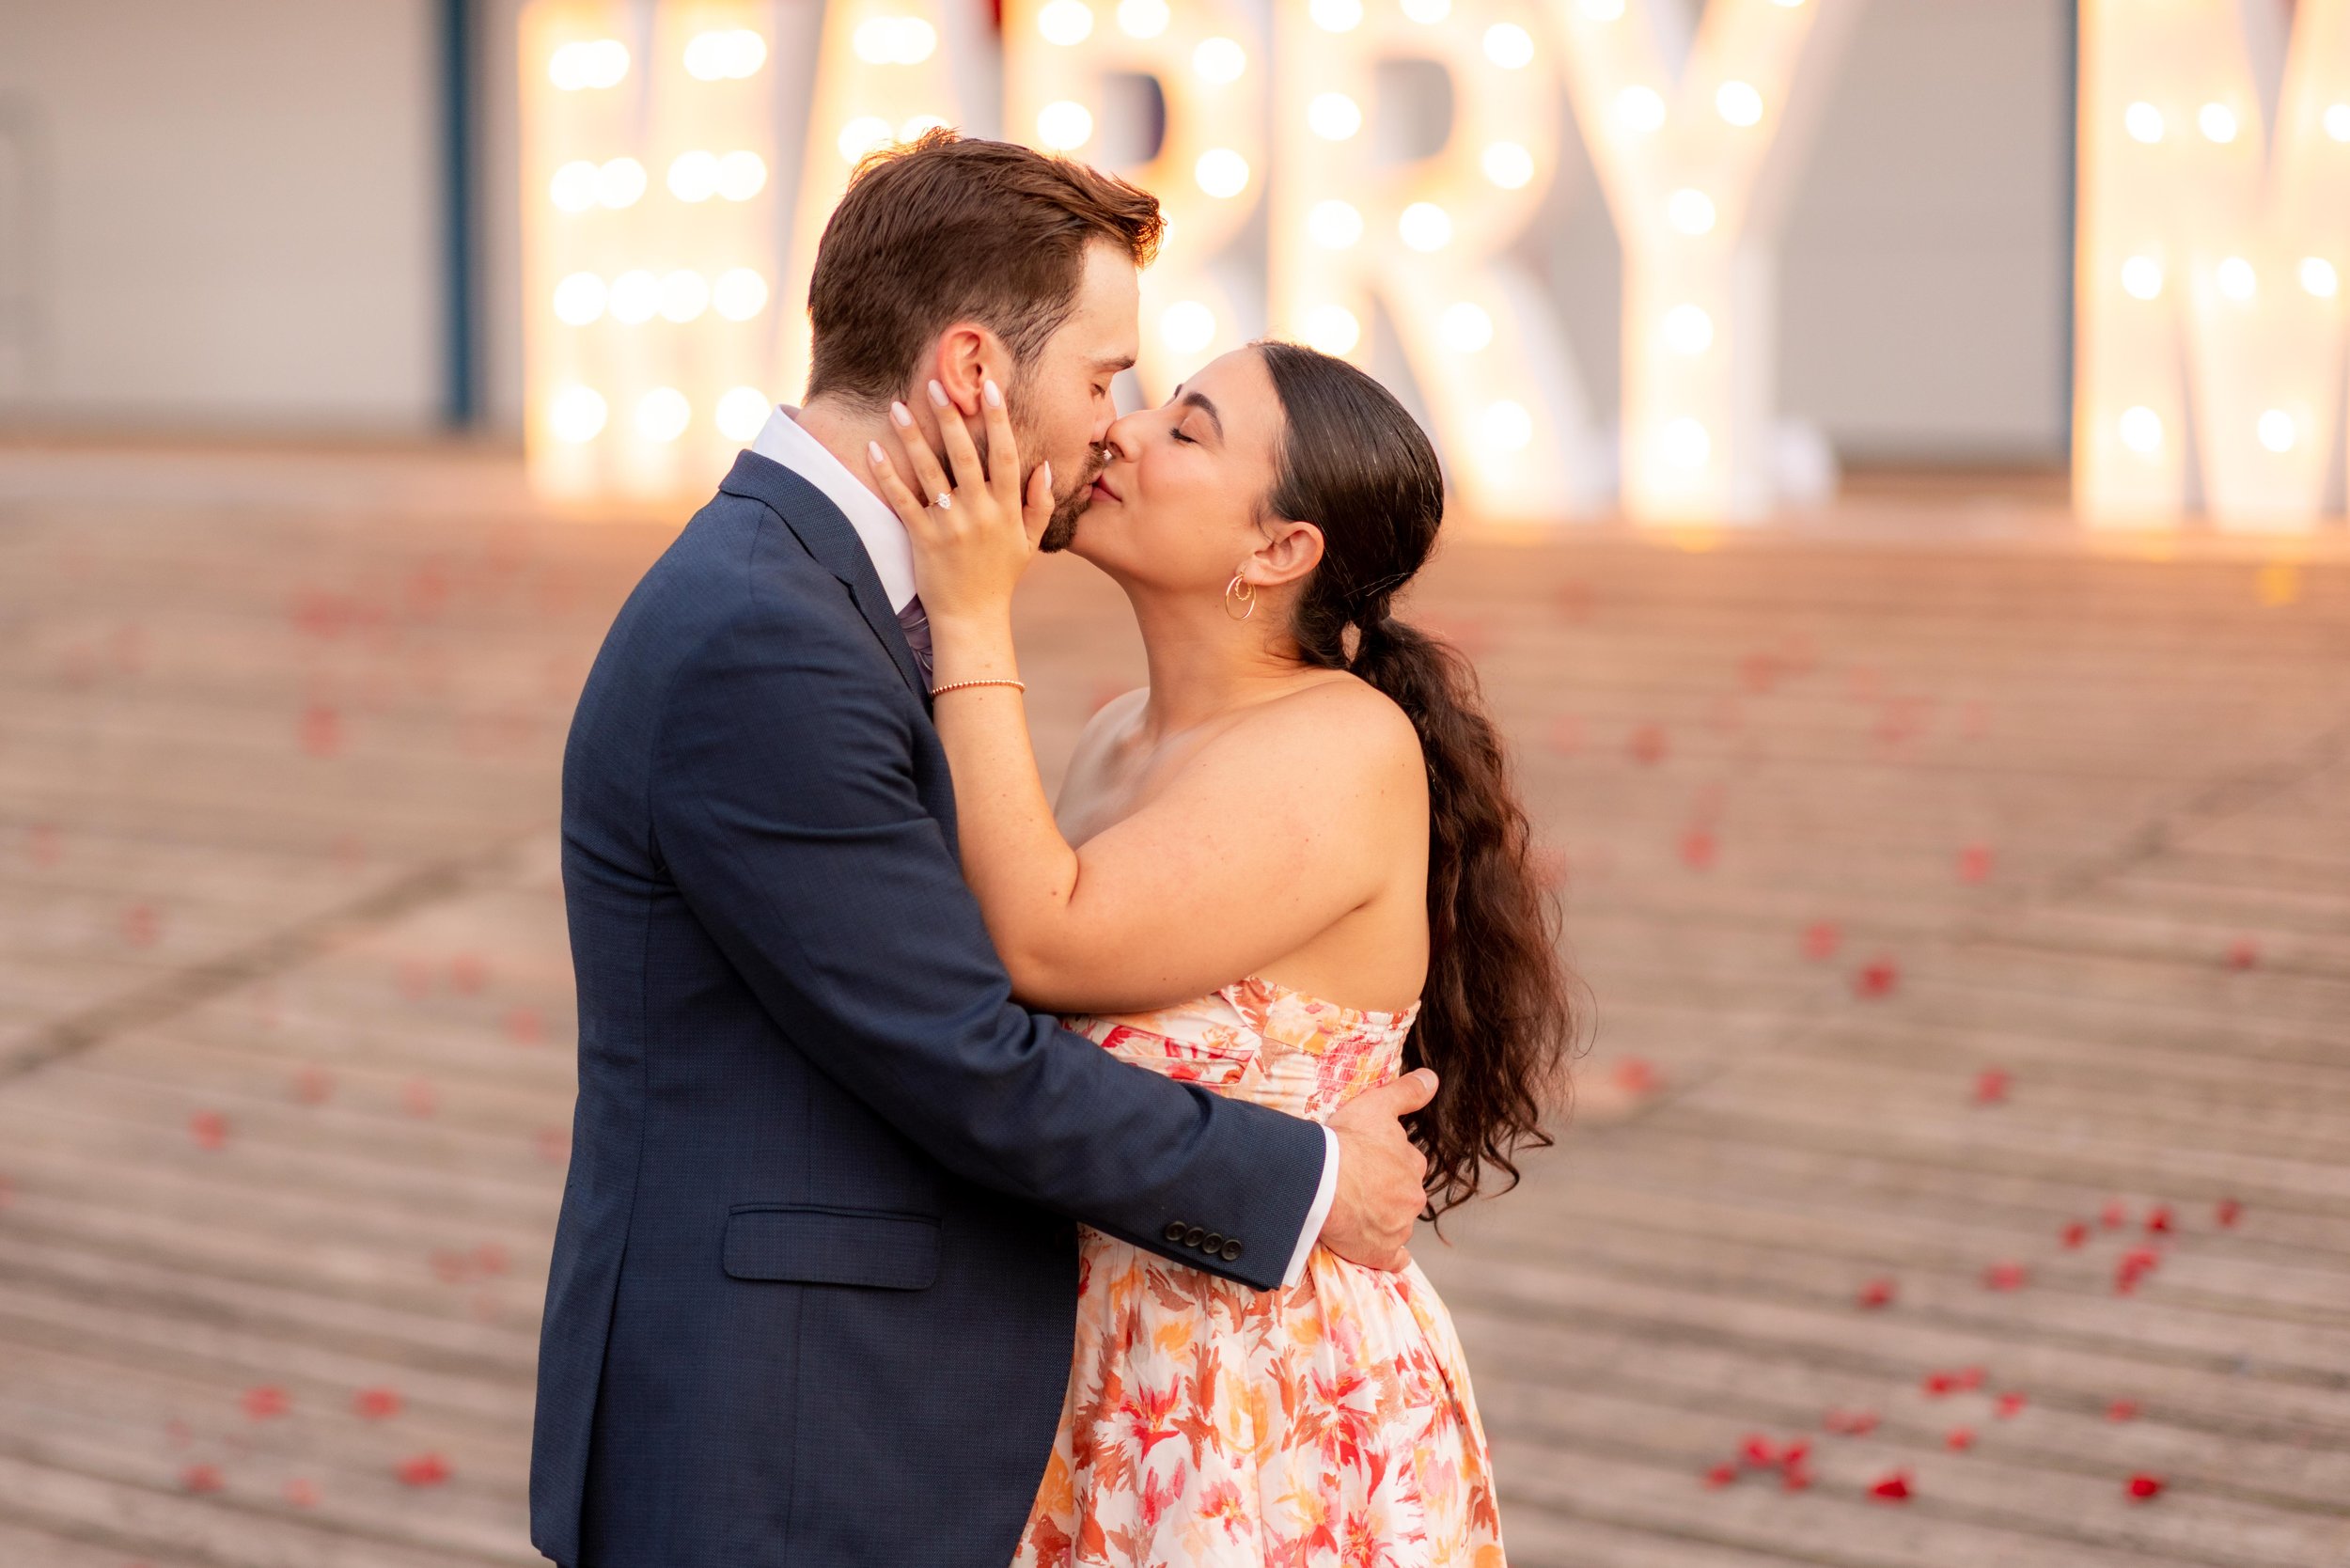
(1496, 1020)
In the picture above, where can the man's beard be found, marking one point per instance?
(1062, 526)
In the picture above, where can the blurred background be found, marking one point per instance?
(1960, 1169)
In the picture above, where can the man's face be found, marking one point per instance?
(1062, 407)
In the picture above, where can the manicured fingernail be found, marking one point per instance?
(938, 395)
(993, 393)
(1048, 478)
(903, 415)
(872, 449)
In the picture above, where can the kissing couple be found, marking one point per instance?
(962, 1177)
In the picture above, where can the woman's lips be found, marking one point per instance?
(1102, 489)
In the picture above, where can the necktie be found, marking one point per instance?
(917, 627)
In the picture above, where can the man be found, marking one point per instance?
(815, 1277)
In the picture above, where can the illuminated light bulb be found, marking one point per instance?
(1688, 330)
(2276, 431)
(1690, 211)
(1509, 166)
(1425, 227)
(1186, 326)
(1641, 109)
(2338, 122)
(2140, 430)
(574, 187)
(1787, 5)
(1509, 46)
(1221, 172)
(635, 297)
(743, 414)
(619, 183)
(1427, 13)
(741, 175)
(589, 64)
(1220, 59)
(1738, 102)
(1334, 117)
(895, 40)
(2144, 121)
(694, 176)
(2317, 276)
(2217, 122)
(861, 136)
(1465, 326)
(1333, 225)
(1336, 16)
(2141, 277)
(725, 56)
(2236, 278)
(1603, 10)
(663, 413)
(579, 299)
(739, 294)
(1064, 125)
(916, 126)
(1142, 19)
(1685, 444)
(577, 415)
(1505, 427)
(1065, 21)
(685, 296)
(1333, 329)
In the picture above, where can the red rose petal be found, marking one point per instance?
(524, 1027)
(1648, 744)
(1970, 1377)
(1974, 863)
(1794, 1454)
(1990, 1086)
(1892, 1488)
(2114, 1216)
(2122, 1410)
(376, 1405)
(313, 1086)
(265, 1401)
(202, 1478)
(2228, 1211)
(1795, 1478)
(302, 1494)
(2009, 1406)
(2243, 953)
(425, 1469)
(1758, 1452)
(1821, 939)
(1938, 1384)
(2143, 1487)
(1960, 1438)
(210, 1129)
(2158, 1218)
(1877, 978)
(2075, 1235)
(2004, 1277)
(1721, 1475)
(1698, 848)
(142, 927)
(1862, 1423)
(1877, 1293)
(490, 1258)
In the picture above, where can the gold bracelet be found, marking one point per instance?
(958, 685)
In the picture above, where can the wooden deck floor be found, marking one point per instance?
(1935, 896)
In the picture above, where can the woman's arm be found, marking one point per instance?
(1240, 859)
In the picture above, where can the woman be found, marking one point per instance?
(1288, 869)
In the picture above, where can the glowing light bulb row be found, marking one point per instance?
(693, 177)
(2140, 430)
(637, 297)
(868, 133)
(2218, 123)
(577, 414)
(590, 64)
(895, 40)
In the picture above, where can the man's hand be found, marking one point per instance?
(1380, 1194)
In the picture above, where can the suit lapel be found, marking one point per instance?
(829, 537)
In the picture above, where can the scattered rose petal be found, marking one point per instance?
(321, 730)
(2075, 1235)
(1892, 1488)
(1877, 978)
(1635, 1076)
(1698, 848)
(1796, 1452)
(524, 1027)
(1794, 1478)
(301, 1493)
(1990, 1086)
(202, 1478)
(1877, 1293)
(142, 927)
(1758, 1452)
(2008, 1407)
(2143, 1487)
(2158, 1218)
(2134, 1265)
(1821, 939)
(1974, 863)
(1959, 1438)
(1970, 1377)
(2114, 1216)
(2004, 1277)
(425, 1469)
(1721, 1475)
(490, 1258)
(376, 1405)
(2243, 953)
(1648, 744)
(313, 1086)
(210, 1129)
(2122, 1410)
(265, 1401)
(1938, 1384)
(2228, 1211)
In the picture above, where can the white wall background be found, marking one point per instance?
(245, 223)
(234, 219)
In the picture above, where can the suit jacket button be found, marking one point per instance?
(1214, 1244)
(1231, 1252)
(1194, 1236)
(1175, 1228)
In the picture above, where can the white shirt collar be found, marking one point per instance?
(885, 538)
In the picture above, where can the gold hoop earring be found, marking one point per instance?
(1233, 595)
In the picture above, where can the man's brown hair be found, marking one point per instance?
(948, 229)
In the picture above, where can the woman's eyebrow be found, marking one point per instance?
(1199, 402)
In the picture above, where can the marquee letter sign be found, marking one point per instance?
(2210, 270)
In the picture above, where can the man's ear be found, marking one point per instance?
(967, 356)
(1290, 549)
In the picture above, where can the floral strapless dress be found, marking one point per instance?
(1207, 1425)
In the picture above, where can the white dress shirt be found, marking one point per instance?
(784, 443)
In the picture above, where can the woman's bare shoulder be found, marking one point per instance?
(1348, 731)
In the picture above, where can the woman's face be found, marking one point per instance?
(1179, 505)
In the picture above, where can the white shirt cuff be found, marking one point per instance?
(1320, 1212)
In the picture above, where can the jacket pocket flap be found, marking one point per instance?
(833, 1247)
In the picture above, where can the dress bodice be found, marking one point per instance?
(1264, 1042)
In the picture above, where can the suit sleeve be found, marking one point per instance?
(786, 810)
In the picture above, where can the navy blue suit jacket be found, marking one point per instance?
(815, 1279)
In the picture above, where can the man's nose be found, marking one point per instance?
(1122, 438)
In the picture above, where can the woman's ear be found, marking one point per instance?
(1290, 551)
